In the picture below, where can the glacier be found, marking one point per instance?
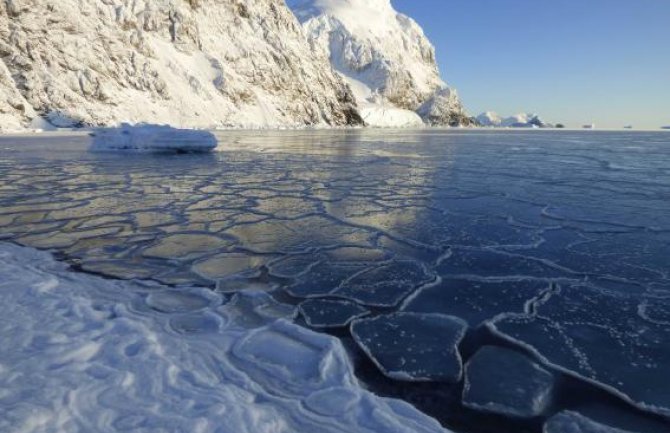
(92, 354)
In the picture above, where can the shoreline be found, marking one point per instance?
(88, 130)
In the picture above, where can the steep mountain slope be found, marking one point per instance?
(199, 63)
(383, 55)
(14, 109)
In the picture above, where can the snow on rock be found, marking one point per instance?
(152, 138)
(383, 55)
(573, 422)
(413, 347)
(489, 118)
(188, 63)
(15, 112)
(82, 354)
(444, 108)
(504, 382)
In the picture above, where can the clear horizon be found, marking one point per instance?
(604, 61)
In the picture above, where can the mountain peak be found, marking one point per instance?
(383, 55)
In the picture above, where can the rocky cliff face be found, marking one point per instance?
(198, 63)
(384, 55)
(15, 111)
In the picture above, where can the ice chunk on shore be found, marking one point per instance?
(152, 138)
(573, 422)
(78, 356)
(504, 382)
(413, 347)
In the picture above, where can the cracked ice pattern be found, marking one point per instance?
(557, 236)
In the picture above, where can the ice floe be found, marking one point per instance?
(413, 347)
(154, 138)
(575, 330)
(504, 382)
(573, 422)
(324, 313)
(475, 301)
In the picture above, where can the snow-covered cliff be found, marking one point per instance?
(198, 63)
(384, 56)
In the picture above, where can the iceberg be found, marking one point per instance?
(522, 120)
(152, 138)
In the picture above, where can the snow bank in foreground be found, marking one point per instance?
(83, 354)
(152, 138)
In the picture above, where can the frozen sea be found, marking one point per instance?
(308, 281)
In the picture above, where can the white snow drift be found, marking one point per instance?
(83, 354)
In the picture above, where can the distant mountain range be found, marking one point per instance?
(523, 120)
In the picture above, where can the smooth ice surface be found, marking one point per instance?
(413, 347)
(559, 239)
(475, 301)
(502, 381)
(83, 354)
(573, 422)
(152, 138)
(324, 313)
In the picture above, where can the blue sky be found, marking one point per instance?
(572, 61)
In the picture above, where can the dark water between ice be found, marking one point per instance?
(493, 279)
